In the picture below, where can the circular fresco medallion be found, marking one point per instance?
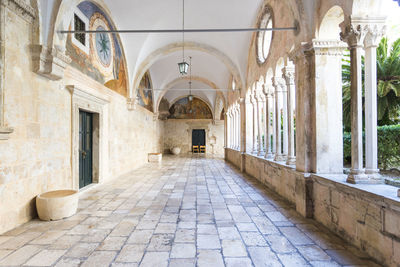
(102, 45)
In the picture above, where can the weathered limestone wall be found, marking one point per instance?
(178, 133)
(132, 135)
(232, 156)
(37, 157)
(367, 220)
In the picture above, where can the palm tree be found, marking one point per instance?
(388, 87)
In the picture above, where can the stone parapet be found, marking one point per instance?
(365, 215)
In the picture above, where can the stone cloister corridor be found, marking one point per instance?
(185, 211)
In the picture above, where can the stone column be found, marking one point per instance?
(230, 128)
(226, 129)
(305, 110)
(288, 75)
(285, 136)
(371, 42)
(248, 120)
(326, 87)
(255, 124)
(268, 124)
(238, 124)
(260, 102)
(234, 127)
(278, 108)
(354, 35)
(273, 131)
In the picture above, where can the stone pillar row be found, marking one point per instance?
(360, 34)
(233, 126)
(273, 117)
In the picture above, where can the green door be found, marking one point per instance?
(85, 148)
(199, 137)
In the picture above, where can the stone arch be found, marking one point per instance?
(329, 28)
(198, 97)
(173, 47)
(219, 105)
(177, 80)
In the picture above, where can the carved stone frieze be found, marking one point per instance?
(49, 63)
(21, 8)
(325, 47)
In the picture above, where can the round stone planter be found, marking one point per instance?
(56, 205)
(175, 150)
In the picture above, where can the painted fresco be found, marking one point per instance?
(185, 109)
(104, 60)
(144, 95)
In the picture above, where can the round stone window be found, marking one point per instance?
(264, 38)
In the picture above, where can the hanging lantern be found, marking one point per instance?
(183, 67)
(190, 97)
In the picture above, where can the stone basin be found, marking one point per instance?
(175, 150)
(56, 205)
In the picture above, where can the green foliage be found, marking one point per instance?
(388, 87)
(388, 146)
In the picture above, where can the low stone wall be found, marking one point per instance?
(233, 156)
(368, 220)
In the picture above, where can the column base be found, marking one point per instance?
(398, 192)
(291, 161)
(374, 175)
(359, 177)
(279, 158)
(260, 153)
(269, 155)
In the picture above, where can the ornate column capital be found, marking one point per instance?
(288, 74)
(279, 84)
(374, 35)
(355, 32)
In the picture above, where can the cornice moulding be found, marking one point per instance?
(21, 8)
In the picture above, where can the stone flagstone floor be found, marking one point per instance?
(187, 211)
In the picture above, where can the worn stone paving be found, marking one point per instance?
(187, 211)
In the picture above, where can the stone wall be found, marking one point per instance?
(37, 157)
(367, 219)
(178, 133)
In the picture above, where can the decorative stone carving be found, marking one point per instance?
(374, 35)
(49, 63)
(21, 8)
(354, 33)
(326, 47)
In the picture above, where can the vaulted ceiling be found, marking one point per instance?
(216, 57)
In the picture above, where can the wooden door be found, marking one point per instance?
(85, 148)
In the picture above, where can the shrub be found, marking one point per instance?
(388, 146)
